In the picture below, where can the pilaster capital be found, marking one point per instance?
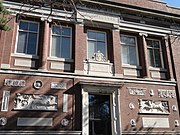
(116, 27)
(165, 38)
(143, 34)
(80, 21)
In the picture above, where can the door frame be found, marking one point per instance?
(101, 89)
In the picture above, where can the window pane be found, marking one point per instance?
(23, 25)
(101, 47)
(100, 36)
(124, 54)
(55, 48)
(131, 41)
(156, 44)
(150, 43)
(124, 39)
(66, 31)
(150, 57)
(33, 27)
(56, 30)
(132, 55)
(91, 35)
(157, 58)
(22, 40)
(32, 41)
(65, 48)
(91, 49)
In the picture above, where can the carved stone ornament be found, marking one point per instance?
(133, 122)
(176, 122)
(151, 92)
(174, 108)
(137, 91)
(98, 56)
(131, 106)
(64, 122)
(153, 107)
(35, 102)
(37, 84)
(3, 121)
(167, 93)
(14, 83)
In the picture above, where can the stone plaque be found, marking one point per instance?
(137, 91)
(35, 102)
(149, 122)
(166, 93)
(153, 107)
(5, 101)
(65, 102)
(15, 83)
(57, 85)
(34, 121)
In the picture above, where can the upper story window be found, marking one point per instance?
(154, 53)
(27, 37)
(128, 50)
(61, 42)
(96, 41)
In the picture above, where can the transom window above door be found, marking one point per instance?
(128, 50)
(154, 53)
(27, 41)
(61, 42)
(96, 42)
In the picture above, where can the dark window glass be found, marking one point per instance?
(61, 42)
(154, 53)
(27, 37)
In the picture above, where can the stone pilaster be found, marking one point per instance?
(147, 73)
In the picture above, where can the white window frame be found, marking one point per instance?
(137, 54)
(17, 33)
(161, 55)
(96, 40)
(60, 58)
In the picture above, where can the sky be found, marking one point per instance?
(175, 3)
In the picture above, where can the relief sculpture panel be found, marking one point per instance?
(35, 102)
(153, 107)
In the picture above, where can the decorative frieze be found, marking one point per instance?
(153, 107)
(14, 83)
(35, 102)
(5, 101)
(137, 91)
(166, 93)
(57, 85)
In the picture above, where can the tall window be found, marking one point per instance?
(128, 50)
(61, 42)
(96, 42)
(154, 53)
(27, 37)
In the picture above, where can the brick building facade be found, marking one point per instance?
(91, 67)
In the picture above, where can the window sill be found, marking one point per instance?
(157, 69)
(24, 56)
(132, 66)
(60, 59)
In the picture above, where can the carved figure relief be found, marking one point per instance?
(98, 56)
(167, 93)
(151, 106)
(35, 102)
(137, 91)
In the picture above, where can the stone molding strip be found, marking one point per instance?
(40, 132)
